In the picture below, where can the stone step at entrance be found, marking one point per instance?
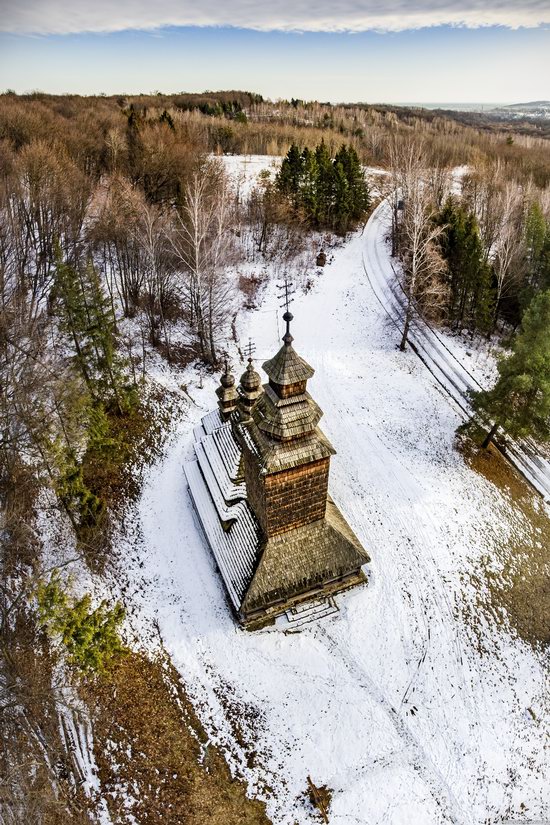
(311, 611)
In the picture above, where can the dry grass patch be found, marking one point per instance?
(517, 571)
(155, 763)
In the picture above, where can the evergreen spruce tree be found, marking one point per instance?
(309, 184)
(325, 185)
(289, 178)
(359, 195)
(471, 299)
(87, 317)
(519, 402)
(343, 199)
(537, 253)
(330, 193)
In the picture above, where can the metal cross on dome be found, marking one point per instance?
(287, 291)
(250, 349)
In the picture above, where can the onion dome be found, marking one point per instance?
(227, 380)
(227, 393)
(250, 389)
(250, 380)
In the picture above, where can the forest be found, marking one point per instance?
(121, 243)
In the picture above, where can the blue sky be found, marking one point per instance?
(432, 63)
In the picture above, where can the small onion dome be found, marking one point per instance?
(227, 380)
(250, 389)
(227, 394)
(250, 380)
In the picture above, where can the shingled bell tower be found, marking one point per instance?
(227, 394)
(308, 548)
(287, 468)
(259, 483)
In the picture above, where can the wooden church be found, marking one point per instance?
(260, 487)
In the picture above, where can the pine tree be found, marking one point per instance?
(519, 402)
(90, 636)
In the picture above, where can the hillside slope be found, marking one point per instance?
(415, 703)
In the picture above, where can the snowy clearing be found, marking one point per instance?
(390, 702)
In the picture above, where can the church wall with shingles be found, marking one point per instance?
(288, 499)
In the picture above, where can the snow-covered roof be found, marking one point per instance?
(219, 497)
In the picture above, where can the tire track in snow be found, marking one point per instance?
(371, 449)
(421, 762)
(433, 602)
(429, 587)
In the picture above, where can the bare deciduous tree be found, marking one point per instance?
(202, 243)
(159, 278)
(508, 240)
(116, 239)
(416, 232)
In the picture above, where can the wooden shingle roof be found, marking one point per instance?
(275, 456)
(294, 562)
(287, 367)
(285, 418)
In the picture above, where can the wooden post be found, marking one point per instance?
(319, 797)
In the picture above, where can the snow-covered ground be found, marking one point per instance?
(391, 702)
(246, 171)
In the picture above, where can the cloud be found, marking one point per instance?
(71, 16)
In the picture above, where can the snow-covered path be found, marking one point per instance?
(392, 702)
(435, 348)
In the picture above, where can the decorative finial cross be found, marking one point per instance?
(286, 297)
(250, 349)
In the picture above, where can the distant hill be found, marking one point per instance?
(524, 107)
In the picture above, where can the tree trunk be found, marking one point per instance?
(490, 435)
(405, 335)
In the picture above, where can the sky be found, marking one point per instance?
(344, 50)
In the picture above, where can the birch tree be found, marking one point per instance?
(202, 243)
(417, 234)
(507, 242)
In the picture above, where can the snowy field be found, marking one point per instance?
(390, 702)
